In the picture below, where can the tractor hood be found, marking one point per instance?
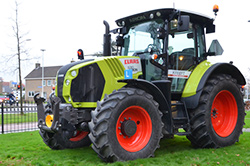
(85, 82)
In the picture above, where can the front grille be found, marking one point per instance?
(61, 75)
(88, 85)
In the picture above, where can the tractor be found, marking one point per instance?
(157, 84)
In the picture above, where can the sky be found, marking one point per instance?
(62, 27)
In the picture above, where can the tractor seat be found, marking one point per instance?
(182, 60)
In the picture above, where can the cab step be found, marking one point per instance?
(183, 133)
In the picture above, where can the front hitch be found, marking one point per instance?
(55, 101)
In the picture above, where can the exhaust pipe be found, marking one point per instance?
(106, 40)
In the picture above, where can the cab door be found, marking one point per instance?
(186, 49)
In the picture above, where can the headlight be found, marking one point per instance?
(67, 82)
(73, 73)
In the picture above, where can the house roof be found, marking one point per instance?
(49, 72)
(6, 84)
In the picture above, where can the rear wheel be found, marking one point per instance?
(219, 118)
(126, 125)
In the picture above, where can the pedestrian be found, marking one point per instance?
(12, 98)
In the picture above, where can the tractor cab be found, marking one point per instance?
(169, 43)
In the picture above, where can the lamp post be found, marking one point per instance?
(42, 69)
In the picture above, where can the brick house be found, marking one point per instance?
(1, 85)
(7, 87)
(33, 81)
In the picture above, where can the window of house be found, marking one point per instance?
(44, 83)
(49, 83)
(31, 93)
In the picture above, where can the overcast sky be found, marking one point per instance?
(62, 27)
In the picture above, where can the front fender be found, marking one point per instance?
(152, 89)
(160, 90)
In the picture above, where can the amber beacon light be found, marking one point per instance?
(215, 9)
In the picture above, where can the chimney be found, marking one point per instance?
(37, 65)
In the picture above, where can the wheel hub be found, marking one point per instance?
(214, 113)
(133, 128)
(128, 128)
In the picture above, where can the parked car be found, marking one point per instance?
(3, 99)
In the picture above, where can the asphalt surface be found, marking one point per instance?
(246, 130)
(19, 127)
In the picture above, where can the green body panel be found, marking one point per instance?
(112, 69)
(195, 77)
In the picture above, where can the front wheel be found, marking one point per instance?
(219, 118)
(58, 140)
(126, 125)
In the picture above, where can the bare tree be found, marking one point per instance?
(20, 41)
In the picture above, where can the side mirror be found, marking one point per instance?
(215, 48)
(210, 29)
(183, 23)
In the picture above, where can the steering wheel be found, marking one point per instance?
(150, 49)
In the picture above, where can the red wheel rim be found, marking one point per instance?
(224, 113)
(143, 132)
(79, 136)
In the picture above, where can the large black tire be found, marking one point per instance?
(126, 125)
(219, 118)
(58, 140)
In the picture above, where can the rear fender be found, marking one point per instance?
(191, 97)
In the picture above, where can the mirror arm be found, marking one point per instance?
(180, 22)
(210, 54)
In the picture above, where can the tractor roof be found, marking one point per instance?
(163, 14)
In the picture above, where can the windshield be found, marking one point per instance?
(142, 37)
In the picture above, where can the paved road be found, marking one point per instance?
(246, 130)
(19, 127)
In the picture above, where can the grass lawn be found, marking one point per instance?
(28, 149)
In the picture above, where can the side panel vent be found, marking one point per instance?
(115, 66)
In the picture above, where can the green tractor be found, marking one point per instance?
(159, 84)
